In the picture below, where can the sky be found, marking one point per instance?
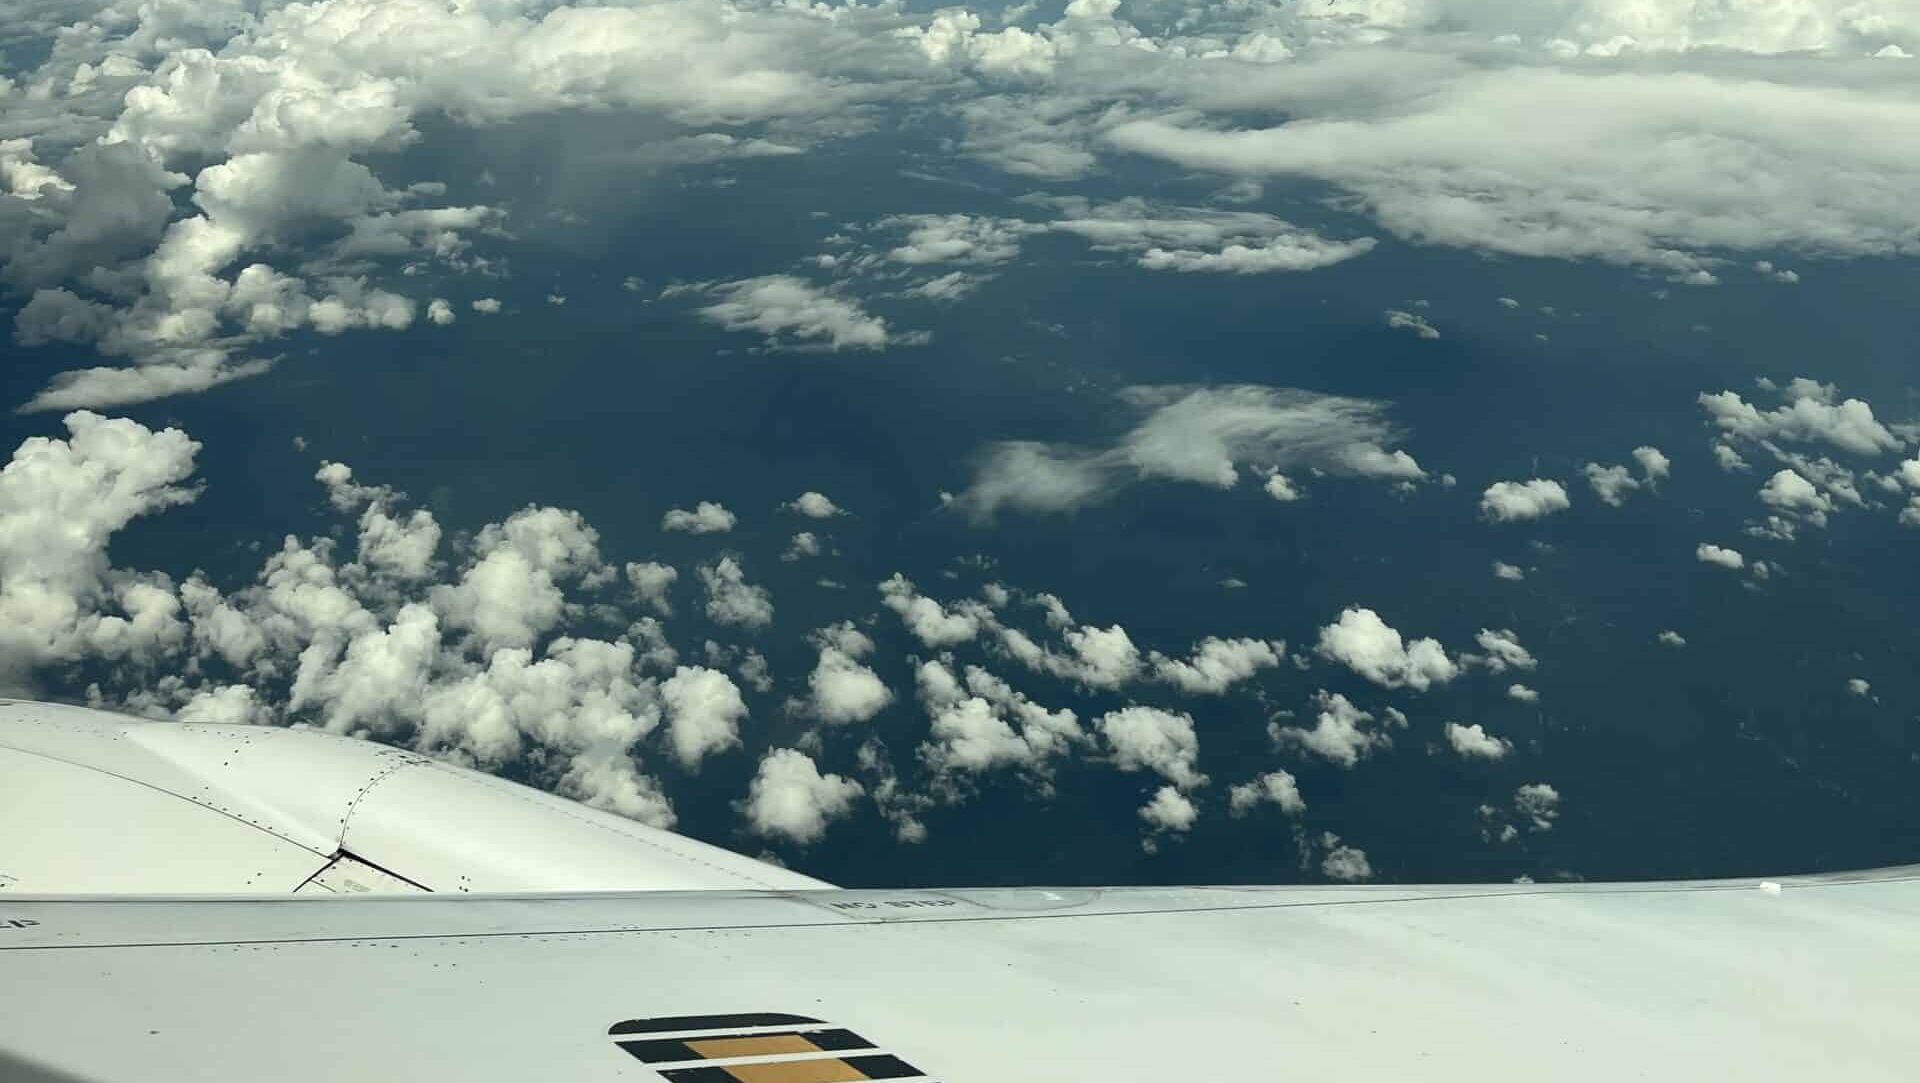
(1396, 440)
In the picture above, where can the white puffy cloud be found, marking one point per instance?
(985, 723)
(391, 543)
(1057, 614)
(1217, 664)
(227, 705)
(790, 799)
(1522, 693)
(1347, 864)
(1202, 435)
(1539, 803)
(1653, 463)
(840, 689)
(1708, 553)
(1147, 738)
(704, 710)
(803, 544)
(1503, 651)
(486, 306)
(1788, 492)
(1364, 643)
(1909, 476)
(1809, 415)
(1169, 810)
(439, 312)
(1518, 501)
(1281, 488)
(1474, 742)
(933, 624)
(511, 595)
(955, 238)
(60, 503)
(793, 314)
(1503, 570)
(1341, 732)
(1099, 658)
(706, 517)
(1859, 687)
(1401, 320)
(733, 600)
(651, 582)
(1671, 638)
(1274, 787)
(1611, 484)
(472, 663)
(814, 505)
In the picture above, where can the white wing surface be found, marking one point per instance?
(457, 979)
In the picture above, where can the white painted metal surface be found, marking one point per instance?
(1600, 983)
(1795, 979)
(347, 875)
(193, 794)
(71, 829)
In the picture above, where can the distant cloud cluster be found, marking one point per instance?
(1198, 435)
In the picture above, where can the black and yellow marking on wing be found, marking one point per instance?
(762, 1047)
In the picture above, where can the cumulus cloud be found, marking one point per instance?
(1150, 739)
(1611, 484)
(1274, 787)
(1412, 322)
(1199, 435)
(1503, 570)
(814, 506)
(793, 314)
(1653, 463)
(1858, 687)
(1366, 644)
(984, 723)
(392, 542)
(790, 799)
(1475, 743)
(704, 710)
(1098, 658)
(651, 583)
(1217, 664)
(733, 600)
(706, 517)
(60, 503)
(1809, 415)
(933, 624)
(1671, 638)
(1539, 803)
(1346, 864)
(1708, 553)
(1518, 501)
(1169, 810)
(1281, 488)
(1788, 492)
(1341, 733)
(1522, 693)
(1503, 651)
(840, 689)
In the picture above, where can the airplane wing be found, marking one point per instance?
(1798, 978)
